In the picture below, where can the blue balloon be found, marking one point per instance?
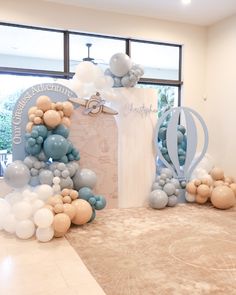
(32, 150)
(41, 130)
(61, 130)
(180, 136)
(101, 203)
(162, 133)
(85, 193)
(55, 146)
(92, 201)
(182, 129)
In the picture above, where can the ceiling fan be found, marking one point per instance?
(88, 58)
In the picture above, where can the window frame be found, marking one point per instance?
(66, 74)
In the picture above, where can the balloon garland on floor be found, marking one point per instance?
(215, 187)
(50, 191)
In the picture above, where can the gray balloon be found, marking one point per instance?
(167, 172)
(158, 199)
(34, 180)
(84, 177)
(17, 174)
(175, 182)
(72, 167)
(46, 177)
(156, 186)
(169, 188)
(172, 201)
(66, 183)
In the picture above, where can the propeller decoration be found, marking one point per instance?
(94, 106)
(181, 162)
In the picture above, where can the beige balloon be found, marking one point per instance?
(43, 103)
(29, 126)
(68, 108)
(58, 208)
(233, 187)
(191, 188)
(223, 197)
(66, 121)
(61, 223)
(83, 212)
(197, 182)
(74, 194)
(32, 110)
(200, 199)
(204, 190)
(57, 199)
(70, 210)
(218, 183)
(217, 173)
(52, 118)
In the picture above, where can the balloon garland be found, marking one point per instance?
(50, 191)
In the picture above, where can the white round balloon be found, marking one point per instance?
(22, 210)
(25, 229)
(190, 198)
(120, 64)
(5, 209)
(44, 234)
(9, 223)
(43, 217)
(44, 191)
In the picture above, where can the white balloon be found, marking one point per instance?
(25, 229)
(190, 198)
(13, 197)
(37, 204)
(5, 209)
(44, 234)
(86, 71)
(44, 191)
(9, 223)
(43, 217)
(120, 64)
(22, 210)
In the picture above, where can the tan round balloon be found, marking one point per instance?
(200, 199)
(52, 118)
(61, 223)
(70, 210)
(84, 212)
(204, 190)
(223, 197)
(191, 188)
(217, 173)
(43, 103)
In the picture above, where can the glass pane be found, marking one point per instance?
(101, 49)
(11, 87)
(159, 61)
(167, 96)
(31, 49)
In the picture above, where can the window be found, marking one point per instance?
(26, 48)
(159, 61)
(99, 48)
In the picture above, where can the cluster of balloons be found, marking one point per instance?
(181, 142)
(38, 211)
(89, 79)
(215, 187)
(165, 190)
(123, 72)
(46, 200)
(49, 113)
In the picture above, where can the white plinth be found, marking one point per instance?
(136, 155)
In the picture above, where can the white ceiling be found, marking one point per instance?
(199, 12)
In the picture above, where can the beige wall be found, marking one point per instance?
(220, 105)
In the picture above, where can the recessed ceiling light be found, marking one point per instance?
(186, 2)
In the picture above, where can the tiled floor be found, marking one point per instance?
(33, 268)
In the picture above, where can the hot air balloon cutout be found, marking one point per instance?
(176, 145)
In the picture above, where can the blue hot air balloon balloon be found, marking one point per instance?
(179, 143)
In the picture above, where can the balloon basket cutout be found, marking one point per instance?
(176, 147)
(50, 190)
